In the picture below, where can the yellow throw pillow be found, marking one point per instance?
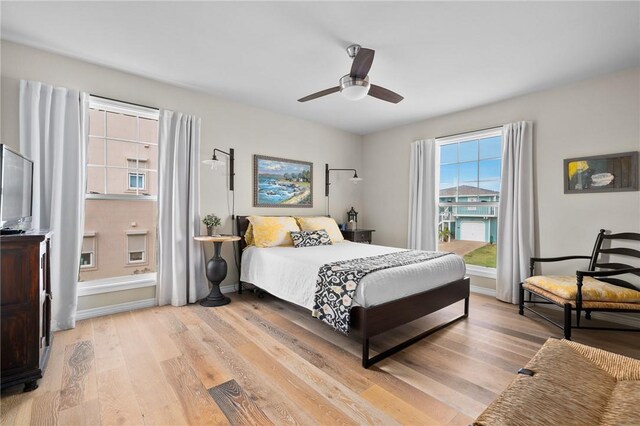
(321, 222)
(248, 235)
(271, 231)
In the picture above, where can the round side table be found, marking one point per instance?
(216, 269)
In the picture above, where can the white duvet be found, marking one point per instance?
(290, 273)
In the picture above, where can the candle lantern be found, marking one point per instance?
(352, 219)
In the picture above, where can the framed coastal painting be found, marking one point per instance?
(601, 173)
(278, 182)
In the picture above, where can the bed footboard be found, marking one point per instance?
(369, 322)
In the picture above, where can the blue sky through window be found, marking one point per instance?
(475, 163)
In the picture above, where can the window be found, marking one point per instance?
(121, 194)
(137, 174)
(469, 193)
(88, 253)
(136, 247)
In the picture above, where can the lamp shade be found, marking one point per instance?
(213, 163)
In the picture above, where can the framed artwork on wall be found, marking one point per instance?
(279, 182)
(601, 173)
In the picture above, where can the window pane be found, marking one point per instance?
(119, 153)
(490, 169)
(151, 184)
(468, 171)
(468, 190)
(468, 151)
(85, 259)
(449, 153)
(136, 256)
(121, 126)
(491, 147)
(95, 180)
(96, 122)
(491, 185)
(95, 151)
(449, 173)
(148, 130)
(117, 181)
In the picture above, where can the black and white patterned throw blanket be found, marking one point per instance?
(337, 282)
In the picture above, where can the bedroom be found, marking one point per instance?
(570, 70)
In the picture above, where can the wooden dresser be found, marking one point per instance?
(25, 307)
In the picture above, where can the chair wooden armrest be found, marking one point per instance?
(533, 260)
(611, 273)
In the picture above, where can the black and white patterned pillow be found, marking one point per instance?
(310, 238)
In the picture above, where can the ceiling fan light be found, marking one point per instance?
(353, 88)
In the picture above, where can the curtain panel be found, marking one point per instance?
(53, 134)
(181, 276)
(423, 200)
(515, 215)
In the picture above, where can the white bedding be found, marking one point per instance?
(290, 273)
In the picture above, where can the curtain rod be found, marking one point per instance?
(470, 131)
(125, 102)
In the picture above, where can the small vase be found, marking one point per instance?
(210, 230)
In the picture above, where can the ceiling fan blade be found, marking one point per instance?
(362, 63)
(384, 94)
(319, 94)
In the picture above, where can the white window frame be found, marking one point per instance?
(130, 262)
(475, 270)
(138, 175)
(93, 265)
(128, 282)
(127, 109)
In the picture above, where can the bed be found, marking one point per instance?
(290, 274)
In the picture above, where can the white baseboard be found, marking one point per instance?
(114, 309)
(483, 290)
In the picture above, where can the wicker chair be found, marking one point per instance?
(592, 290)
(570, 384)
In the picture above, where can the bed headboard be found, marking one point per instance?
(242, 223)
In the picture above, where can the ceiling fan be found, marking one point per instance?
(355, 85)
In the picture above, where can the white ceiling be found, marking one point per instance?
(441, 57)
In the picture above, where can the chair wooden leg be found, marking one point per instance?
(567, 321)
(521, 299)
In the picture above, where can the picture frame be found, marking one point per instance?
(282, 182)
(601, 173)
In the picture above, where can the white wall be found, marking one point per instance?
(597, 116)
(225, 125)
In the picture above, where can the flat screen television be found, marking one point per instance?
(16, 184)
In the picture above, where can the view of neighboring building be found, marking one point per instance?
(470, 223)
(122, 176)
(469, 193)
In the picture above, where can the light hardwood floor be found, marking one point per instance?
(266, 361)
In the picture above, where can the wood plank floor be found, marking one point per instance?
(263, 361)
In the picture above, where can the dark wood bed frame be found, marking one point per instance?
(375, 320)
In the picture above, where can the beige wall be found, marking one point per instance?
(597, 116)
(225, 125)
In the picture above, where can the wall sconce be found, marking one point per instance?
(215, 163)
(355, 179)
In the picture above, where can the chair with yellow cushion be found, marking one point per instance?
(599, 288)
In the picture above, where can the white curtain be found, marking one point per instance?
(181, 278)
(53, 133)
(515, 218)
(423, 218)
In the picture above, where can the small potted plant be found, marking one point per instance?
(211, 221)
